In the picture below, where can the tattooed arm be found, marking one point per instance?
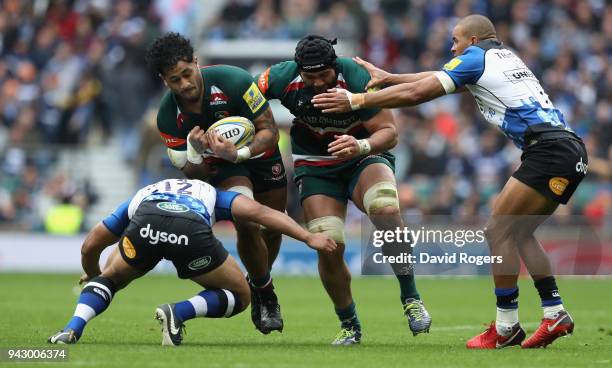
(266, 133)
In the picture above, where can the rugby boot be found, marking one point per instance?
(270, 319)
(348, 336)
(255, 306)
(419, 319)
(67, 336)
(172, 326)
(490, 339)
(550, 329)
(265, 310)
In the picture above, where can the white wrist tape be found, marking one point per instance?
(364, 146)
(446, 81)
(243, 154)
(193, 156)
(355, 100)
(178, 158)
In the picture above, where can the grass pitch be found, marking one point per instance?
(32, 307)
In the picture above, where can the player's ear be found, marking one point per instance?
(195, 60)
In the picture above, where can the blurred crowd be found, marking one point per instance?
(67, 68)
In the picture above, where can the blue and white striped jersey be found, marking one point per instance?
(178, 195)
(506, 91)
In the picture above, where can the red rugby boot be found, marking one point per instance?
(490, 339)
(550, 330)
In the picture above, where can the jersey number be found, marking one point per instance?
(182, 190)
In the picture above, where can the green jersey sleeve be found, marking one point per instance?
(273, 81)
(169, 124)
(356, 79)
(246, 97)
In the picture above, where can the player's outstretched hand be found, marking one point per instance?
(197, 139)
(378, 77)
(344, 146)
(221, 147)
(321, 242)
(335, 100)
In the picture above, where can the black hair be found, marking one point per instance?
(315, 53)
(167, 51)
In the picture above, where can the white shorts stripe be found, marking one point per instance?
(84, 311)
(314, 158)
(200, 306)
(230, 303)
(100, 286)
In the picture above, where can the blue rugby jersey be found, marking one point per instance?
(195, 195)
(507, 93)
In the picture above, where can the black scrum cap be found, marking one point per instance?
(315, 53)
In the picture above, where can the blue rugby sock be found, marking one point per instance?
(507, 310)
(549, 295)
(209, 303)
(94, 299)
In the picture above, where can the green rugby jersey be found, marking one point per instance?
(312, 130)
(228, 91)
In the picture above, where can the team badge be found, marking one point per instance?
(254, 98)
(128, 248)
(557, 185)
(276, 169)
(299, 186)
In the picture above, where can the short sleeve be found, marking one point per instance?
(119, 220)
(466, 68)
(223, 205)
(263, 83)
(273, 81)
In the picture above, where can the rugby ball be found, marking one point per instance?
(236, 129)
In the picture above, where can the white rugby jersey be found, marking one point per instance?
(507, 93)
(195, 194)
(175, 196)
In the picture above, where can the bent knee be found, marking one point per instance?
(387, 211)
(332, 226)
(269, 233)
(500, 228)
(246, 228)
(245, 300)
(381, 199)
(242, 296)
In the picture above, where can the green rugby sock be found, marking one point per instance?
(407, 287)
